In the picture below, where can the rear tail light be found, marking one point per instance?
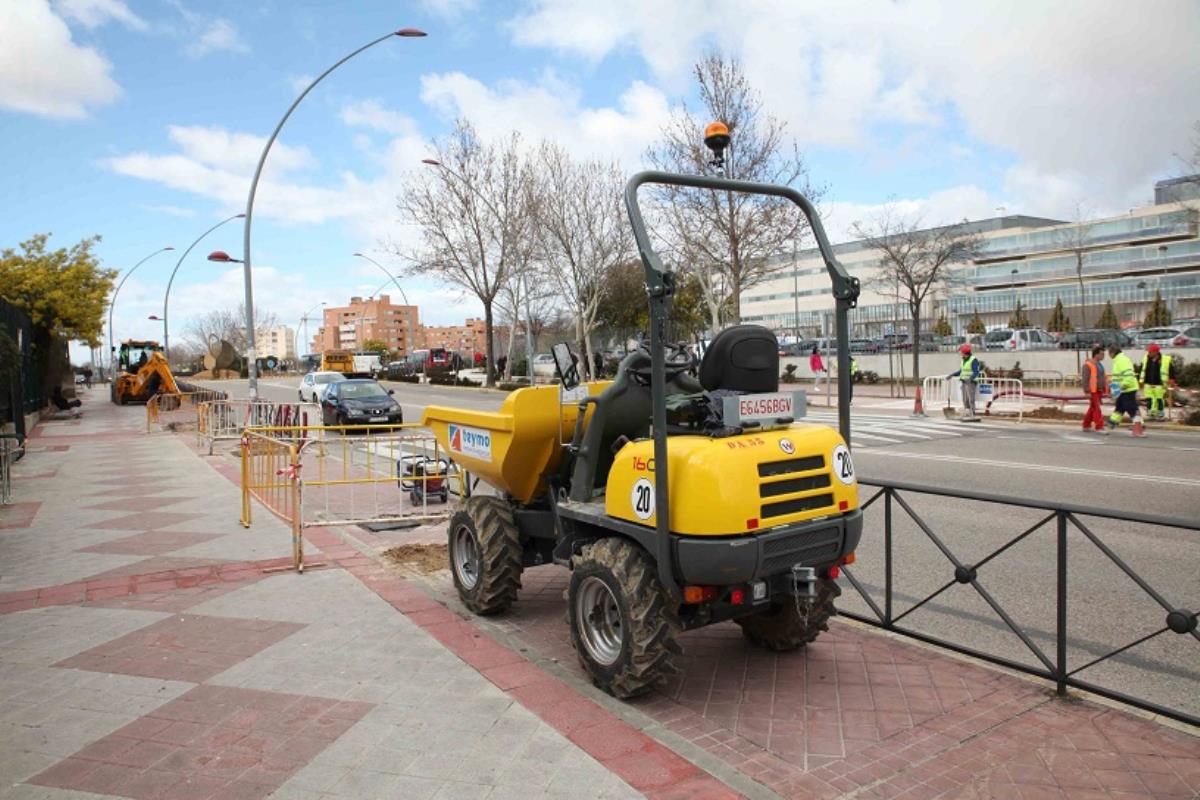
(1181, 341)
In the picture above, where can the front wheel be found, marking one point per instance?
(785, 626)
(623, 624)
(485, 554)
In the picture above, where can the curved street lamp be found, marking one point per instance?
(389, 274)
(117, 291)
(171, 280)
(403, 32)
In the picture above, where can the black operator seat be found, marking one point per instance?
(742, 359)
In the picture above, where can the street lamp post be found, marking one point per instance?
(403, 32)
(113, 301)
(171, 280)
(389, 274)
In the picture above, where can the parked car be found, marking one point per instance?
(896, 341)
(862, 346)
(951, 342)
(1085, 339)
(1009, 339)
(361, 400)
(314, 384)
(1167, 336)
(543, 365)
(929, 343)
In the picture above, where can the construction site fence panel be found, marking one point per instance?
(371, 475)
(177, 411)
(225, 420)
(941, 392)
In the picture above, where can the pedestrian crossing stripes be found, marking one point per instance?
(881, 430)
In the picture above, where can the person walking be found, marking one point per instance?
(853, 377)
(1125, 389)
(1156, 376)
(1092, 377)
(817, 366)
(968, 378)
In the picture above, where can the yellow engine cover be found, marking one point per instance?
(739, 484)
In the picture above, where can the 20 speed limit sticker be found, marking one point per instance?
(843, 467)
(642, 498)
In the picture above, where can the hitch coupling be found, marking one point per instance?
(804, 582)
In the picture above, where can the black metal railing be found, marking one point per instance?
(1053, 666)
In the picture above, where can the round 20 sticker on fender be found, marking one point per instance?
(642, 498)
(841, 464)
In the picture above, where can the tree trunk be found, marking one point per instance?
(735, 300)
(587, 342)
(581, 346)
(489, 360)
(512, 339)
(916, 345)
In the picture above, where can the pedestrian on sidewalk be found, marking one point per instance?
(1092, 378)
(968, 378)
(1156, 376)
(853, 377)
(817, 366)
(1125, 389)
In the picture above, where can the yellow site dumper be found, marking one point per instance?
(686, 491)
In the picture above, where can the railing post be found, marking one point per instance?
(887, 557)
(297, 540)
(1060, 668)
(245, 482)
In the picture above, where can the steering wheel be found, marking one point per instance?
(678, 361)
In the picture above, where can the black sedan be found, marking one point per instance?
(359, 402)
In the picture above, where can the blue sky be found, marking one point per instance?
(140, 120)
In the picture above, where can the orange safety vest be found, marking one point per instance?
(1091, 365)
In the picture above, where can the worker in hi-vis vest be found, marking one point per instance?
(1156, 376)
(1125, 390)
(968, 377)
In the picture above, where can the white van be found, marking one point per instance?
(1010, 339)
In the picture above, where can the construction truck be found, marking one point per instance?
(141, 373)
(337, 361)
(680, 494)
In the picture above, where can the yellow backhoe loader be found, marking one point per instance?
(141, 372)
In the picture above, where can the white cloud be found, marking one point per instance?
(449, 9)
(43, 72)
(173, 211)
(1088, 92)
(205, 34)
(553, 109)
(371, 114)
(94, 13)
(944, 207)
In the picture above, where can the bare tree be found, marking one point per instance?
(913, 261)
(228, 324)
(471, 212)
(581, 233)
(525, 300)
(726, 238)
(1076, 240)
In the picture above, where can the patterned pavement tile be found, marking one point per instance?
(148, 521)
(183, 647)
(211, 742)
(18, 515)
(151, 543)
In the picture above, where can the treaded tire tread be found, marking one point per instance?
(652, 629)
(491, 520)
(783, 629)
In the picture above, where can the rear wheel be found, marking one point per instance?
(485, 554)
(785, 627)
(623, 626)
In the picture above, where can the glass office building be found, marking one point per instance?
(1036, 261)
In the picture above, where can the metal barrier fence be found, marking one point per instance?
(1107, 603)
(221, 420)
(177, 411)
(311, 475)
(942, 392)
(9, 446)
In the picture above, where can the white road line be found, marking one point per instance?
(1125, 476)
(858, 434)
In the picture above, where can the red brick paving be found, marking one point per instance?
(211, 742)
(18, 515)
(148, 584)
(138, 503)
(183, 648)
(158, 564)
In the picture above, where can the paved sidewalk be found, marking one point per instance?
(150, 647)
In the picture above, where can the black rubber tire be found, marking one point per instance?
(490, 521)
(781, 628)
(651, 629)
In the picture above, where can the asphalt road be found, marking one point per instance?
(1158, 475)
